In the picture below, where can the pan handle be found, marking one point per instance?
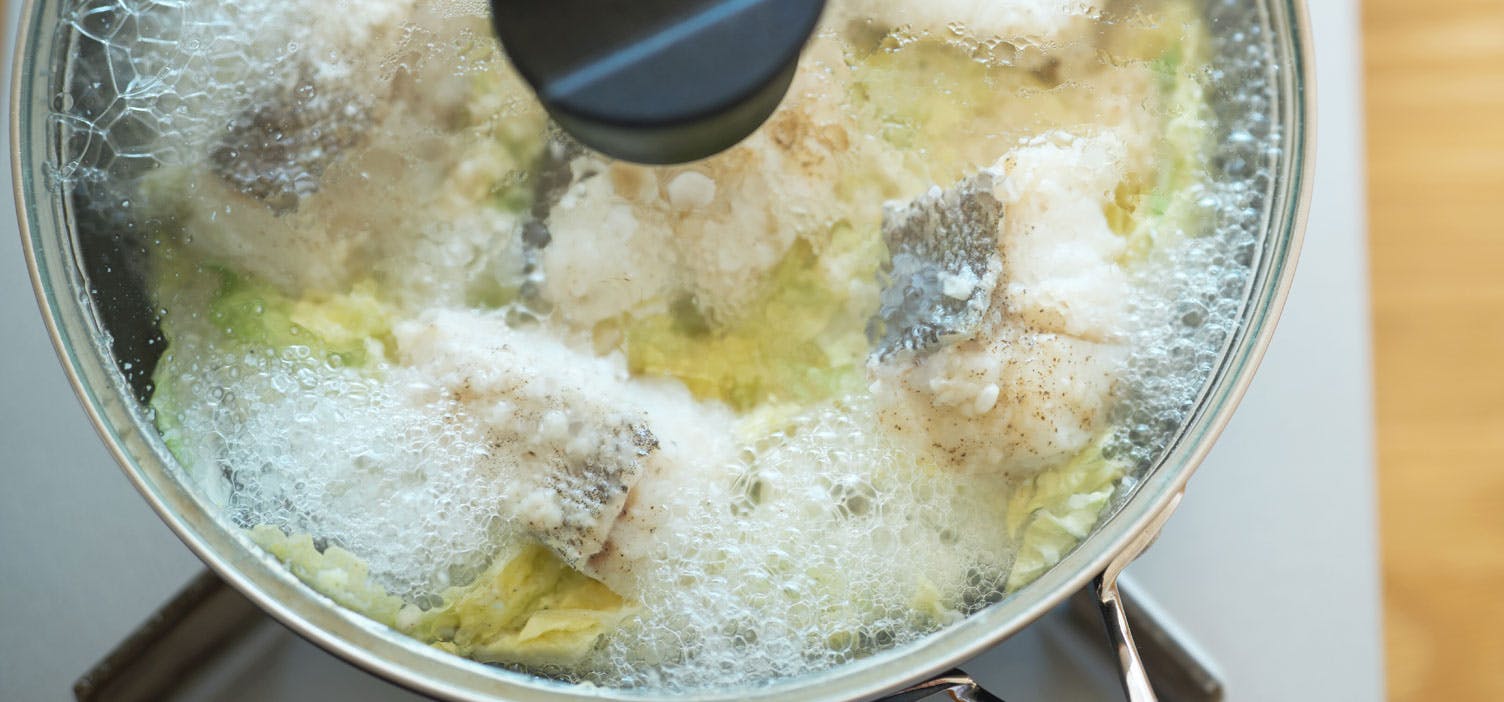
(1134, 677)
(1130, 666)
(950, 685)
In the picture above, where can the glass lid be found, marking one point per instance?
(842, 385)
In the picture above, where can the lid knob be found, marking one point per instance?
(657, 81)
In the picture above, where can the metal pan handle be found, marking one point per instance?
(950, 685)
(1131, 669)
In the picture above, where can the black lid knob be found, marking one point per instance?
(657, 81)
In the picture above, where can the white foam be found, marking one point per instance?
(291, 441)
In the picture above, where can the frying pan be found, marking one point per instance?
(85, 268)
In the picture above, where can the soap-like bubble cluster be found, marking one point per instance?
(817, 543)
(290, 440)
(1191, 294)
(154, 83)
(142, 70)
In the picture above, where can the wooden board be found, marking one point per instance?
(1435, 106)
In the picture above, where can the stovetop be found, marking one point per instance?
(1269, 569)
